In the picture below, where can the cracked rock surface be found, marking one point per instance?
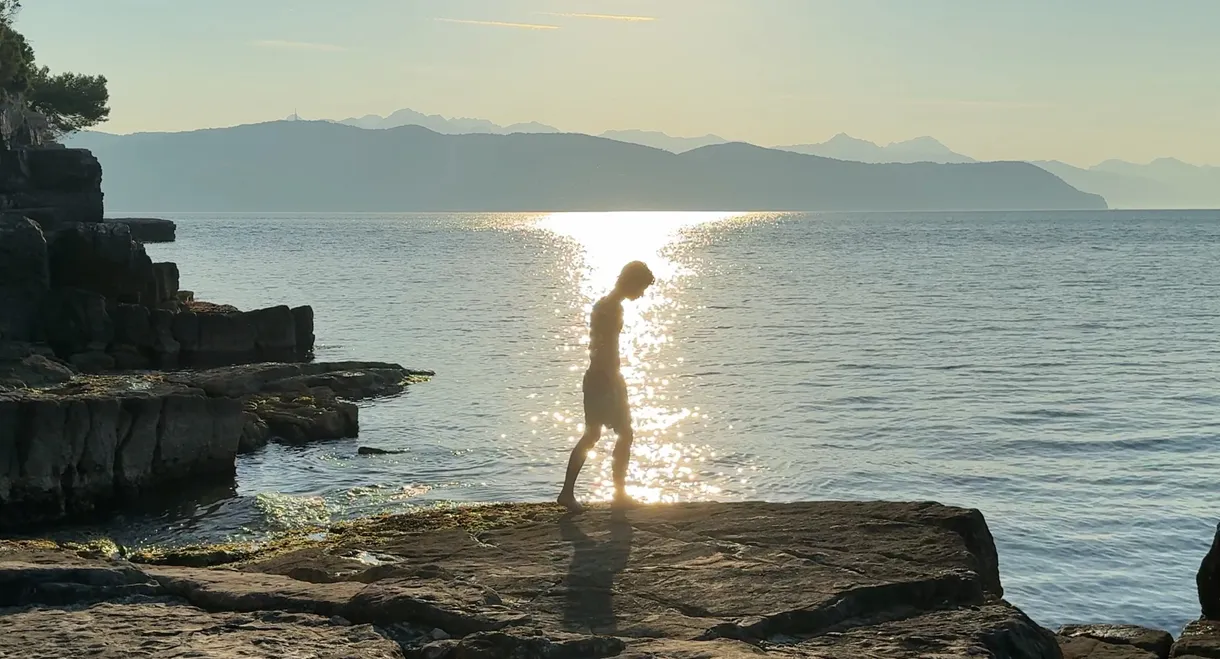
(825, 580)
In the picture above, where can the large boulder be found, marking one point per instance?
(23, 253)
(76, 321)
(24, 277)
(225, 338)
(149, 628)
(1200, 639)
(304, 328)
(298, 419)
(166, 277)
(21, 312)
(64, 170)
(148, 229)
(103, 258)
(55, 187)
(165, 348)
(1208, 579)
(94, 442)
(296, 403)
(133, 325)
(349, 380)
(212, 336)
(1103, 641)
(32, 370)
(275, 333)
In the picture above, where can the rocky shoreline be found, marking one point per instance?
(115, 384)
(828, 580)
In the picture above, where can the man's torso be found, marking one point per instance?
(605, 325)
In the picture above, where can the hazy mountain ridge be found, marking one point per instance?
(442, 124)
(1162, 183)
(324, 166)
(846, 147)
(839, 147)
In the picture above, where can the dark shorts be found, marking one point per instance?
(606, 401)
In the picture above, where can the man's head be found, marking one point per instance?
(634, 280)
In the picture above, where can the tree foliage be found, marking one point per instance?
(67, 101)
(16, 56)
(8, 8)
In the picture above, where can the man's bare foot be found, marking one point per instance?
(569, 501)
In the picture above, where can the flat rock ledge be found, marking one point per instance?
(92, 443)
(828, 580)
(147, 229)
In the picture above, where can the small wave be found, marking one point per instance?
(1160, 445)
(1048, 413)
(859, 400)
(284, 512)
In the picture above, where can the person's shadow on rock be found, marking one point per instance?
(595, 564)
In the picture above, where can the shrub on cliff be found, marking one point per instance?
(36, 106)
(16, 55)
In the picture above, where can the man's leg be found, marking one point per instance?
(622, 458)
(567, 496)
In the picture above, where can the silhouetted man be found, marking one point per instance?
(605, 391)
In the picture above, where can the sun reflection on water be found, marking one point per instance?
(664, 467)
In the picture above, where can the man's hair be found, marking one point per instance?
(635, 275)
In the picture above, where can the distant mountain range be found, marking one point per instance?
(839, 147)
(328, 166)
(443, 125)
(846, 147)
(1162, 183)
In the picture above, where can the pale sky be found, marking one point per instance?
(1073, 80)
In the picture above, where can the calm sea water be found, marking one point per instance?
(1058, 371)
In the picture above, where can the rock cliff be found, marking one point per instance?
(95, 409)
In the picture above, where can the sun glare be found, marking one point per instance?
(663, 467)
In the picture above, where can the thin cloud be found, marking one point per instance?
(278, 44)
(602, 17)
(967, 104)
(519, 26)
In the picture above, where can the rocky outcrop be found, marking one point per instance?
(55, 187)
(210, 336)
(95, 297)
(147, 229)
(299, 403)
(87, 446)
(1200, 640)
(23, 253)
(74, 445)
(89, 289)
(825, 580)
(1114, 642)
(150, 628)
(103, 259)
(93, 411)
(1208, 579)
(23, 366)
